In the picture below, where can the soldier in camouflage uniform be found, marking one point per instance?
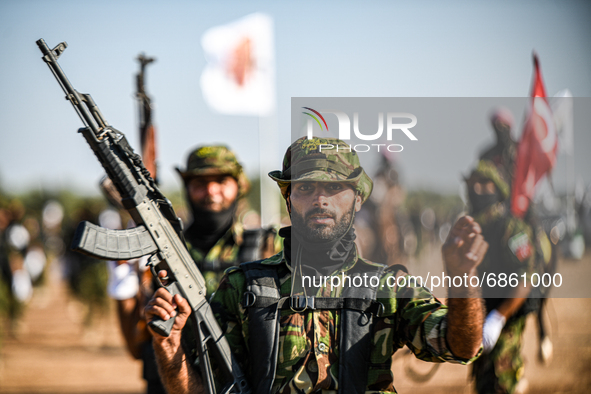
(503, 152)
(327, 338)
(512, 251)
(214, 183)
(503, 155)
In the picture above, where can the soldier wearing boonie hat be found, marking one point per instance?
(214, 182)
(293, 338)
(518, 250)
(215, 160)
(502, 154)
(322, 160)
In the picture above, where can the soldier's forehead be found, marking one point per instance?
(210, 177)
(479, 179)
(322, 183)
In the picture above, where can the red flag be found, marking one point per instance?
(536, 152)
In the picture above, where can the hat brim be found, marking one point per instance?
(202, 172)
(354, 179)
(316, 176)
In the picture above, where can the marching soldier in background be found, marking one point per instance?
(214, 184)
(513, 249)
(503, 152)
(381, 224)
(16, 287)
(22, 260)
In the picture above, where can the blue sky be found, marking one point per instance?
(330, 49)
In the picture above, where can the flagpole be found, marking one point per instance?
(270, 208)
(571, 219)
(563, 116)
(239, 79)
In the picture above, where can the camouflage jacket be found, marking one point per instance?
(515, 249)
(309, 341)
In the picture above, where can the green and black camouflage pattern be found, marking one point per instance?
(309, 341)
(514, 247)
(224, 254)
(322, 160)
(488, 170)
(215, 160)
(501, 370)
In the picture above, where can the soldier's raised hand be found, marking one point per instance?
(464, 247)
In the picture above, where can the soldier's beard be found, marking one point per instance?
(316, 233)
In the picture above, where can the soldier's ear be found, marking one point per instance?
(288, 204)
(358, 202)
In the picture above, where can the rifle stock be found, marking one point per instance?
(159, 231)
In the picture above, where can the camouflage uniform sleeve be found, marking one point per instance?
(228, 310)
(229, 314)
(420, 320)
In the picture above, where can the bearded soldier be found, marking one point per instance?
(294, 333)
(214, 183)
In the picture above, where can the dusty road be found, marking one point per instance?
(54, 354)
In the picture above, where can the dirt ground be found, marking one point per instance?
(53, 353)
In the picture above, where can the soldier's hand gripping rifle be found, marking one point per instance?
(158, 234)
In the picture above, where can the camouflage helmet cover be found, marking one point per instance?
(215, 160)
(486, 169)
(322, 160)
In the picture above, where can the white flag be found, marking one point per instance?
(239, 78)
(562, 108)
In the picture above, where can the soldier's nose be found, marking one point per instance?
(320, 199)
(213, 188)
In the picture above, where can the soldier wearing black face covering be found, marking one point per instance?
(214, 183)
(503, 152)
(515, 250)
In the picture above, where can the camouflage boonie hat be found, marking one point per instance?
(215, 160)
(487, 169)
(322, 160)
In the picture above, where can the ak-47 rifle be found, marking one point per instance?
(147, 131)
(158, 234)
